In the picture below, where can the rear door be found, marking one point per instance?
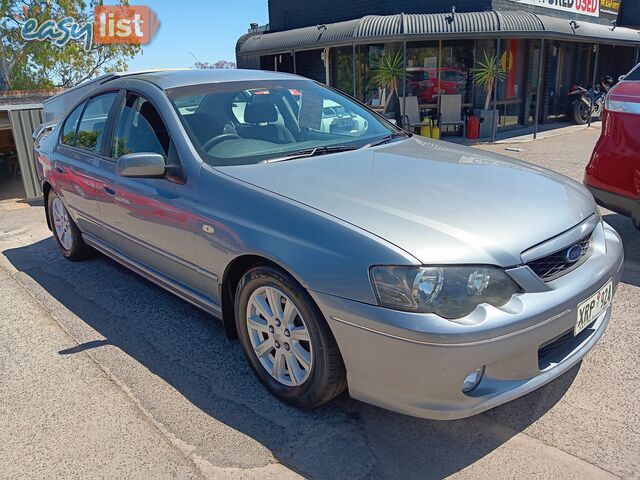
(76, 160)
(150, 219)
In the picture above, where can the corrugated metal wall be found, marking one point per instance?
(23, 123)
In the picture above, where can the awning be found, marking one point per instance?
(440, 25)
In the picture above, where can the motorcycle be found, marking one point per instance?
(589, 102)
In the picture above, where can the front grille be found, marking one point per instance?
(556, 350)
(555, 265)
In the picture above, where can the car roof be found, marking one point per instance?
(167, 79)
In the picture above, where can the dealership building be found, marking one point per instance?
(542, 47)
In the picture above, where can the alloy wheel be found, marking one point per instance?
(62, 224)
(279, 336)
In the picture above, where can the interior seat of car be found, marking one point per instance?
(259, 118)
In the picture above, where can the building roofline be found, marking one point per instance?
(491, 23)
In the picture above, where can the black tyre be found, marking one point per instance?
(287, 340)
(581, 113)
(65, 231)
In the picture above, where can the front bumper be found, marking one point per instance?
(416, 363)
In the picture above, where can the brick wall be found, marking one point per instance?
(630, 13)
(288, 14)
(23, 97)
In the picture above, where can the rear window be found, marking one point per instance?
(94, 119)
(634, 75)
(71, 125)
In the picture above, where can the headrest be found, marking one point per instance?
(260, 113)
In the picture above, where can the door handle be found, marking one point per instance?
(59, 170)
(109, 190)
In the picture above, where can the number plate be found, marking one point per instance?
(593, 306)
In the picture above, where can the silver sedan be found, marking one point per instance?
(424, 277)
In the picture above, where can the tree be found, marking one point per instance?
(27, 64)
(487, 73)
(387, 74)
(220, 64)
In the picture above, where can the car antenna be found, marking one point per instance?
(198, 62)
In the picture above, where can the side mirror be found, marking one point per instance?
(141, 165)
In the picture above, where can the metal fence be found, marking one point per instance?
(23, 122)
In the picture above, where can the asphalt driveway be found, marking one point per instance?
(106, 374)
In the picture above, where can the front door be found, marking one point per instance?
(150, 220)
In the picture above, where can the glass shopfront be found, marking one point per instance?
(510, 90)
(434, 68)
(342, 69)
(367, 60)
(423, 64)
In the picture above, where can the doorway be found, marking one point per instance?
(11, 184)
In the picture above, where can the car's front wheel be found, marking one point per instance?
(66, 232)
(287, 340)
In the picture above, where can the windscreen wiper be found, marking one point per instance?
(387, 139)
(311, 152)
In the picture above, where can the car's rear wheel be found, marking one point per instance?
(287, 340)
(65, 231)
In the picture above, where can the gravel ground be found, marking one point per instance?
(106, 375)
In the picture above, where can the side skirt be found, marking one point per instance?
(159, 279)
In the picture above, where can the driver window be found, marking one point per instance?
(139, 128)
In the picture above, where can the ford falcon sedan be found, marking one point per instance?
(424, 277)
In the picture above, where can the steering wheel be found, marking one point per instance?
(212, 142)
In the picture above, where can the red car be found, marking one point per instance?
(425, 84)
(613, 174)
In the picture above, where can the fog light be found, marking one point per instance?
(472, 380)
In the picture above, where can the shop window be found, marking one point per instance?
(511, 88)
(310, 64)
(615, 60)
(423, 62)
(282, 62)
(342, 69)
(455, 74)
(367, 60)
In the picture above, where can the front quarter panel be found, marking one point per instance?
(323, 253)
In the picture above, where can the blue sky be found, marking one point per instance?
(208, 29)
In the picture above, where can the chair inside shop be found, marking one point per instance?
(451, 112)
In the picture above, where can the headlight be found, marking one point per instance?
(451, 292)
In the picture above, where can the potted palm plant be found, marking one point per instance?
(387, 74)
(488, 72)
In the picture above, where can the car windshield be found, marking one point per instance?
(239, 123)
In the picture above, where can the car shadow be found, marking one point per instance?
(188, 350)
(631, 241)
